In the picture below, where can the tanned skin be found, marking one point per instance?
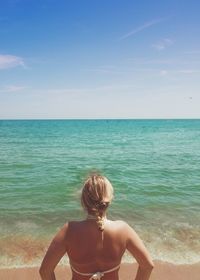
(90, 250)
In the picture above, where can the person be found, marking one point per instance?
(95, 246)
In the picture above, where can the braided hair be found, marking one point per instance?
(97, 193)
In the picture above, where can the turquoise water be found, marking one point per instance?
(154, 166)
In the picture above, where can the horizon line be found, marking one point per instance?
(93, 119)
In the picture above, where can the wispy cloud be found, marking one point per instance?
(10, 61)
(104, 89)
(143, 60)
(188, 71)
(106, 70)
(12, 88)
(140, 28)
(163, 44)
(163, 73)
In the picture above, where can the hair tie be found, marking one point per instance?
(102, 205)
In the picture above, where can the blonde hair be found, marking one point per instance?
(97, 193)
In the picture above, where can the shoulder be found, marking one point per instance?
(70, 227)
(62, 233)
(120, 225)
(124, 227)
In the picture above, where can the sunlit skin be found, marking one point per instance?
(82, 243)
(90, 249)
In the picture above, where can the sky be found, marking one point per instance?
(62, 59)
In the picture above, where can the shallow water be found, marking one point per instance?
(154, 166)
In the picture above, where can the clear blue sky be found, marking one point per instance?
(99, 59)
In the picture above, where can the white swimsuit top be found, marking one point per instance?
(96, 275)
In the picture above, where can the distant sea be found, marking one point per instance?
(154, 166)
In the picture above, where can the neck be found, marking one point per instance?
(94, 217)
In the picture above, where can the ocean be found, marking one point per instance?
(154, 166)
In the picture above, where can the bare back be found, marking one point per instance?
(96, 245)
(91, 250)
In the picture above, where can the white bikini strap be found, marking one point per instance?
(112, 269)
(96, 275)
(80, 273)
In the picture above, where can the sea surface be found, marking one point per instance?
(154, 166)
